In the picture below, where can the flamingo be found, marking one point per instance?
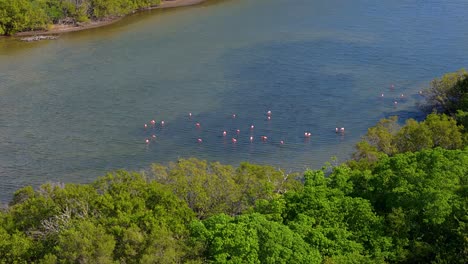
(224, 133)
(199, 140)
(234, 140)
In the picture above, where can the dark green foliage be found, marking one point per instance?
(423, 199)
(251, 239)
(336, 224)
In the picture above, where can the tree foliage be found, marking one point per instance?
(406, 208)
(213, 188)
(23, 15)
(388, 138)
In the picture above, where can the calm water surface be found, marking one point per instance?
(74, 108)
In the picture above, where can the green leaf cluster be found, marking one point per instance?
(24, 15)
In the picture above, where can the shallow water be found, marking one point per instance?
(74, 108)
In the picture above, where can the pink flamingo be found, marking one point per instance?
(268, 113)
(336, 130)
(238, 131)
(307, 134)
(251, 139)
(234, 115)
(162, 123)
(281, 142)
(234, 140)
(264, 138)
(268, 118)
(395, 102)
(199, 140)
(190, 115)
(342, 130)
(146, 126)
(197, 125)
(224, 133)
(147, 141)
(382, 95)
(153, 136)
(153, 122)
(252, 127)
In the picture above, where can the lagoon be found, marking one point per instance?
(73, 108)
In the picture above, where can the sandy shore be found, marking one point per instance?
(57, 29)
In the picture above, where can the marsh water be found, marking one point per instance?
(74, 108)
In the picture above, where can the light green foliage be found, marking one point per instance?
(207, 188)
(387, 138)
(381, 136)
(85, 242)
(15, 246)
(141, 215)
(212, 188)
(19, 15)
(132, 219)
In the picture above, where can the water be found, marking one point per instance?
(74, 108)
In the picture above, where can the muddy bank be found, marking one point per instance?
(58, 29)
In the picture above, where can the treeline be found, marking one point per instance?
(403, 198)
(24, 15)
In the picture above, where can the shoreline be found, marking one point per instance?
(59, 29)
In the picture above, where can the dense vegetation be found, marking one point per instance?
(22, 15)
(402, 199)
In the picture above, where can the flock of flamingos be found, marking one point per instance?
(153, 124)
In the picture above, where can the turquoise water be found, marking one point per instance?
(74, 108)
